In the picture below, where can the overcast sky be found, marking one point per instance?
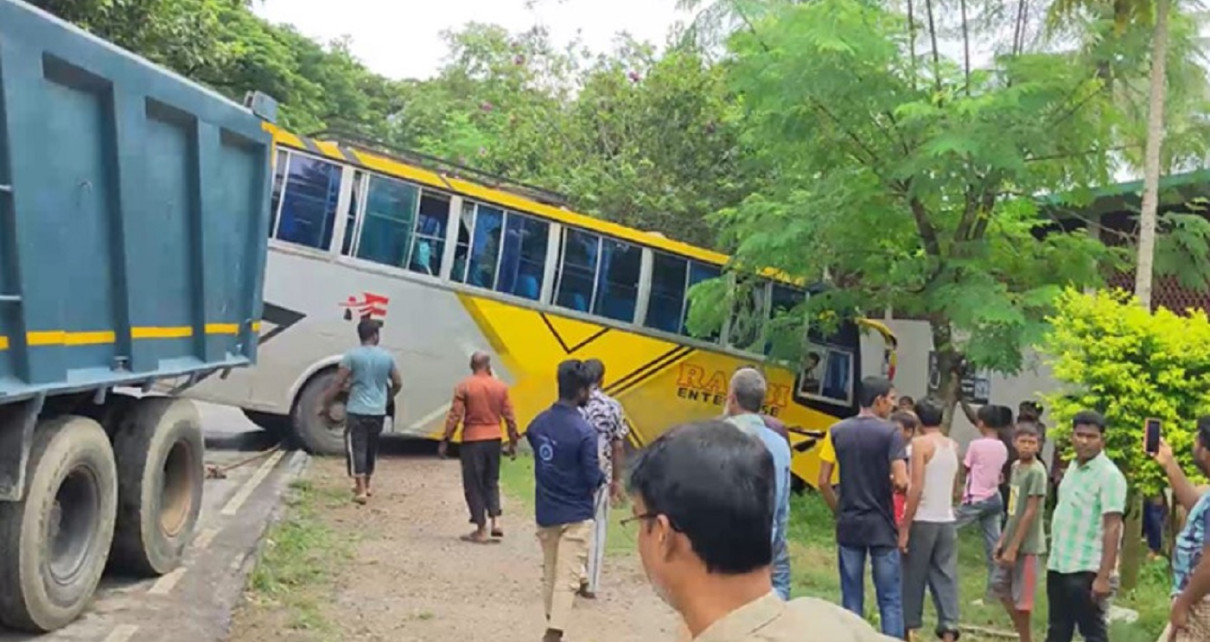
(401, 38)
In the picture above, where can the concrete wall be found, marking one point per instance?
(911, 377)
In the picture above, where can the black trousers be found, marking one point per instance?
(362, 433)
(1071, 606)
(481, 479)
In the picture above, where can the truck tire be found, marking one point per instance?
(55, 542)
(159, 450)
(319, 435)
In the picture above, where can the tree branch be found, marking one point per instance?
(928, 233)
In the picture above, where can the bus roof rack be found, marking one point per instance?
(441, 165)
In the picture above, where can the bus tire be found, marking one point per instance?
(319, 435)
(159, 450)
(71, 498)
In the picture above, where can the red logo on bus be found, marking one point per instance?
(369, 306)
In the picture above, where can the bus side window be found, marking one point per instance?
(617, 291)
(577, 272)
(748, 313)
(462, 251)
(524, 256)
(428, 241)
(386, 228)
(279, 180)
(346, 247)
(699, 272)
(783, 332)
(669, 283)
(308, 207)
(485, 247)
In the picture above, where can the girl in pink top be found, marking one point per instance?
(985, 460)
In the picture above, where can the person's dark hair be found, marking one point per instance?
(367, 328)
(907, 401)
(814, 357)
(930, 412)
(1089, 418)
(1203, 430)
(872, 388)
(1027, 428)
(594, 369)
(994, 416)
(572, 379)
(1029, 410)
(906, 419)
(715, 485)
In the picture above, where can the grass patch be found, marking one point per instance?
(812, 540)
(517, 481)
(814, 570)
(300, 553)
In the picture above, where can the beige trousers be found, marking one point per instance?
(564, 552)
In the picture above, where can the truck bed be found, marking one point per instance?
(133, 216)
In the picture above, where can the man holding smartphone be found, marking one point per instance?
(1086, 532)
(1190, 618)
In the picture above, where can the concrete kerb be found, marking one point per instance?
(295, 467)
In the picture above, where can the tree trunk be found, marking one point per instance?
(1132, 542)
(1151, 158)
(949, 370)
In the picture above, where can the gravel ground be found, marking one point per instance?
(409, 578)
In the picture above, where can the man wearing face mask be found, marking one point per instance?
(567, 476)
(703, 502)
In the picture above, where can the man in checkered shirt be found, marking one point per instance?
(605, 415)
(1086, 531)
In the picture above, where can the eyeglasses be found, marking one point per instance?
(637, 518)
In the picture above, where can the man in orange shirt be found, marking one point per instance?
(480, 403)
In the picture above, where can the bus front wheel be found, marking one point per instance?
(319, 435)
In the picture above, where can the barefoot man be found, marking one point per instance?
(480, 403)
(373, 379)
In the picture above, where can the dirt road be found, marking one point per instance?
(405, 576)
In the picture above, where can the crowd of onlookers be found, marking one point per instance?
(711, 502)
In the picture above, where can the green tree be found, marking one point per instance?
(906, 177)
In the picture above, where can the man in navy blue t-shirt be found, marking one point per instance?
(567, 476)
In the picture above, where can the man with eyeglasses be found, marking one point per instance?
(703, 503)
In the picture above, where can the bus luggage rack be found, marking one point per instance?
(375, 146)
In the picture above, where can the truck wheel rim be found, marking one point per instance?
(73, 524)
(176, 494)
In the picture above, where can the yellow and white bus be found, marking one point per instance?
(453, 265)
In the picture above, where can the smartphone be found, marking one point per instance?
(1152, 439)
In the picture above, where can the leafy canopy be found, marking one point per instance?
(908, 181)
(1113, 356)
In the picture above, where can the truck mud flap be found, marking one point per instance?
(17, 421)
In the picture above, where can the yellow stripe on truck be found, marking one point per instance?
(102, 337)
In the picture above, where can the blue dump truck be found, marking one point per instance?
(134, 207)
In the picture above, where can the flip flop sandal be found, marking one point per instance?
(498, 533)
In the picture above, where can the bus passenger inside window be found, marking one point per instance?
(618, 280)
(577, 274)
(485, 247)
(308, 209)
(524, 259)
(429, 239)
(462, 251)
